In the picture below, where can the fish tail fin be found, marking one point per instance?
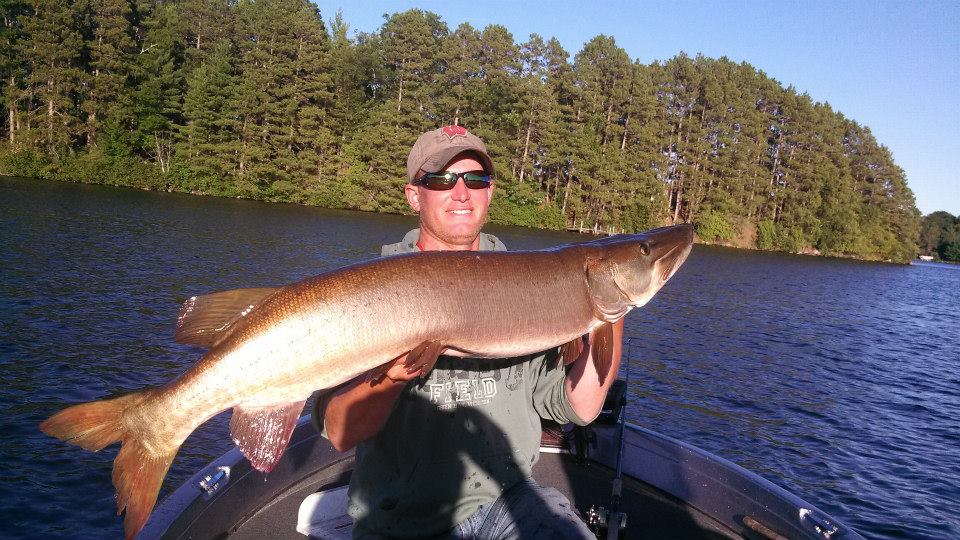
(138, 471)
(94, 425)
(137, 477)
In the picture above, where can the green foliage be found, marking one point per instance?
(789, 239)
(258, 99)
(766, 235)
(950, 251)
(523, 205)
(712, 226)
(939, 230)
(24, 162)
(636, 217)
(98, 168)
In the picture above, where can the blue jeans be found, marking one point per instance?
(525, 511)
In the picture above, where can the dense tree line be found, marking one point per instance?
(940, 236)
(262, 99)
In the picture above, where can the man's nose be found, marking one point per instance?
(460, 191)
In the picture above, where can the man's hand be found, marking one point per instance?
(396, 371)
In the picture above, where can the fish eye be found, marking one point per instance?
(644, 248)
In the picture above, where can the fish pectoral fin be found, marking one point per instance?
(206, 319)
(262, 433)
(601, 347)
(571, 350)
(423, 357)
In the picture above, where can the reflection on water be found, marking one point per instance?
(835, 379)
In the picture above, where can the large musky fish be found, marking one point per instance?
(269, 349)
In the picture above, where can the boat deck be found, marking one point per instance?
(651, 513)
(670, 490)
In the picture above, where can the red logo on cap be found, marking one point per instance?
(455, 131)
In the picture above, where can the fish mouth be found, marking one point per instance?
(672, 260)
(671, 247)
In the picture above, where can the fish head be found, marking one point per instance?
(640, 264)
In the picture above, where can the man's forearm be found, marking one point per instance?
(584, 391)
(358, 411)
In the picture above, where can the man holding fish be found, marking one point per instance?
(449, 455)
(450, 452)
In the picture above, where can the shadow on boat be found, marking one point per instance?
(472, 438)
(670, 489)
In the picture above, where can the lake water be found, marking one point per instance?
(838, 380)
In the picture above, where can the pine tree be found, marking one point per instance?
(312, 140)
(110, 49)
(409, 43)
(602, 70)
(52, 48)
(158, 98)
(205, 26)
(458, 75)
(13, 66)
(209, 138)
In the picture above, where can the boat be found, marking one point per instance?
(668, 489)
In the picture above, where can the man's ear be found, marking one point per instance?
(413, 196)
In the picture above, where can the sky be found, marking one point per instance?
(891, 65)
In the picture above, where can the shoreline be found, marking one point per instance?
(587, 233)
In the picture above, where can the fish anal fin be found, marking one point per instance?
(204, 320)
(570, 351)
(262, 433)
(423, 357)
(601, 348)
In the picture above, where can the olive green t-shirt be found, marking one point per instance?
(456, 440)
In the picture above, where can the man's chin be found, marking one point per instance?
(458, 235)
(460, 239)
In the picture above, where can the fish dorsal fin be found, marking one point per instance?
(204, 320)
(601, 347)
(423, 357)
(262, 433)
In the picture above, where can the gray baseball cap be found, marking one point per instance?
(435, 148)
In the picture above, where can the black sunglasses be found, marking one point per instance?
(444, 180)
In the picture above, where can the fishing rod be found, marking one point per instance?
(613, 520)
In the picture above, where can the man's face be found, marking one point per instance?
(451, 219)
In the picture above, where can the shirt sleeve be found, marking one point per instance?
(549, 389)
(319, 409)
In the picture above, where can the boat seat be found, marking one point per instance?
(323, 515)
